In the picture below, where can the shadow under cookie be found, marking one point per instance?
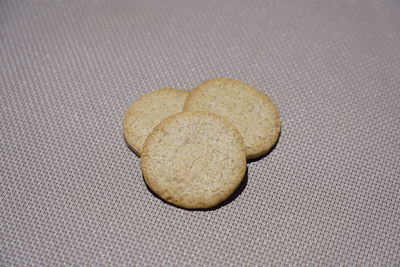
(266, 154)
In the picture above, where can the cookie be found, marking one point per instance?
(148, 111)
(248, 109)
(194, 160)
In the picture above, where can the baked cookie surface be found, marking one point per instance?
(251, 111)
(194, 160)
(149, 110)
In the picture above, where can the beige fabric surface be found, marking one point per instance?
(71, 191)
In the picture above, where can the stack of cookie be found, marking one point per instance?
(194, 145)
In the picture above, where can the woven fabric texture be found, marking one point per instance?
(71, 192)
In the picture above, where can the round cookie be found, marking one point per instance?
(149, 110)
(250, 110)
(194, 160)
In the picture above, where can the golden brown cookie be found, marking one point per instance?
(250, 110)
(149, 110)
(194, 160)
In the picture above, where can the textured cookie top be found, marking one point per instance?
(148, 111)
(250, 110)
(194, 159)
